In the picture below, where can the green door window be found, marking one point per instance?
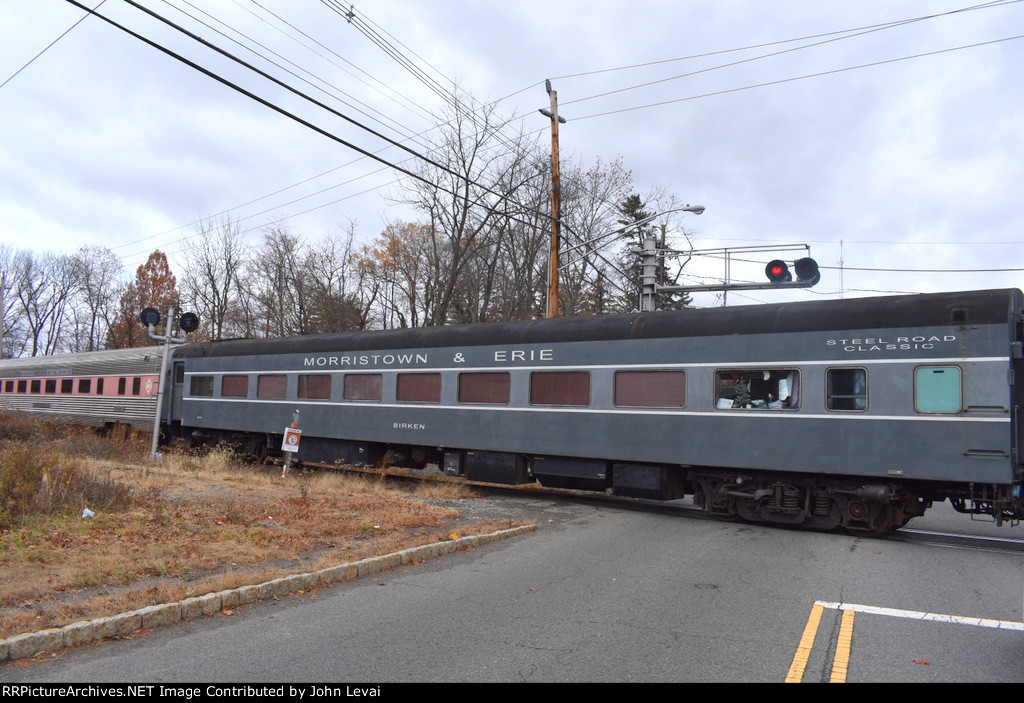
(937, 389)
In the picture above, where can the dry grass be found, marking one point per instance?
(197, 524)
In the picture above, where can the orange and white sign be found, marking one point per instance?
(291, 439)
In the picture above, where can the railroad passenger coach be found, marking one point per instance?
(101, 388)
(853, 413)
(857, 413)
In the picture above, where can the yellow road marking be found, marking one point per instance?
(803, 650)
(843, 643)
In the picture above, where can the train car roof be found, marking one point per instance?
(86, 363)
(957, 308)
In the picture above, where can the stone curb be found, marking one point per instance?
(33, 644)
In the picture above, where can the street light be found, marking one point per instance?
(695, 209)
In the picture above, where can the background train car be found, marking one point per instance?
(857, 413)
(102, 388)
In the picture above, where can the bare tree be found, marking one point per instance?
(98, 273)
(12, 337)
(328, 273)
(210, 281)
(590, 210)
(43, 287)
(461, 202)
(276, 282)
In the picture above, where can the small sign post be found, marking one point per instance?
(290, 442)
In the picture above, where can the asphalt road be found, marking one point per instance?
(606, 594)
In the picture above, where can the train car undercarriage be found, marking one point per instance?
(859, 506)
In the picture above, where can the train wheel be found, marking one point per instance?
(880, 524)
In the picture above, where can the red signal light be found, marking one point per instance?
(777, 271)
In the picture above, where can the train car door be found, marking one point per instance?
(1016, 381)
(177, 386)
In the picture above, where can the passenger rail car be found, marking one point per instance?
(100, 388)
(853, 413)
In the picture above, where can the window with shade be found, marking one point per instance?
(650, 389)
(492, 388)
(560, 388)
(271, 386)
(419, 388)
(315, 386)
(234, 386)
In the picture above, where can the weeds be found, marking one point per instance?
(191, 524)
(45, 482)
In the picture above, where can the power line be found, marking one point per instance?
(883, 25)
(44, 49)
(798, 78)
(379, 120)
(300, 120)
(293, 185)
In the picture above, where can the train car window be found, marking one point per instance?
(121, 385)
(560, 388)
(363, 386)
(99, 386)
(67, 385)
(35, 386)
(485, 387)
(846, 389)
(271, 386)
(179, 373)
(315, 386)
(419, 388)
(650, 389)
(937, 389)
(8, 386)
(22, 386)
(757, 389)
(136, 385)
(201, 386)
(85, 385)
(234, 386)
(51, 385)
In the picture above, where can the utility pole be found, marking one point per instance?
(556, 203)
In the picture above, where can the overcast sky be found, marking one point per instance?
(881, 145)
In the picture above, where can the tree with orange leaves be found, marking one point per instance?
(154, 287)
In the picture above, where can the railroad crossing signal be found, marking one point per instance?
(777, 271)
(806, 269)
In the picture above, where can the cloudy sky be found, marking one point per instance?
(883, 134)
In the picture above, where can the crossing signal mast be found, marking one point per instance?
(187, 323)
(777, 271)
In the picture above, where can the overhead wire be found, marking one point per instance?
(223, 212)
(803, 77)
(389, 165)
(298, 119)
(47, 47)
(403, 100)
(397, 127)
(406, 62)
(849, 33)
(450, 97)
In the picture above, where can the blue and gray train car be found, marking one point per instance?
(853, 413)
